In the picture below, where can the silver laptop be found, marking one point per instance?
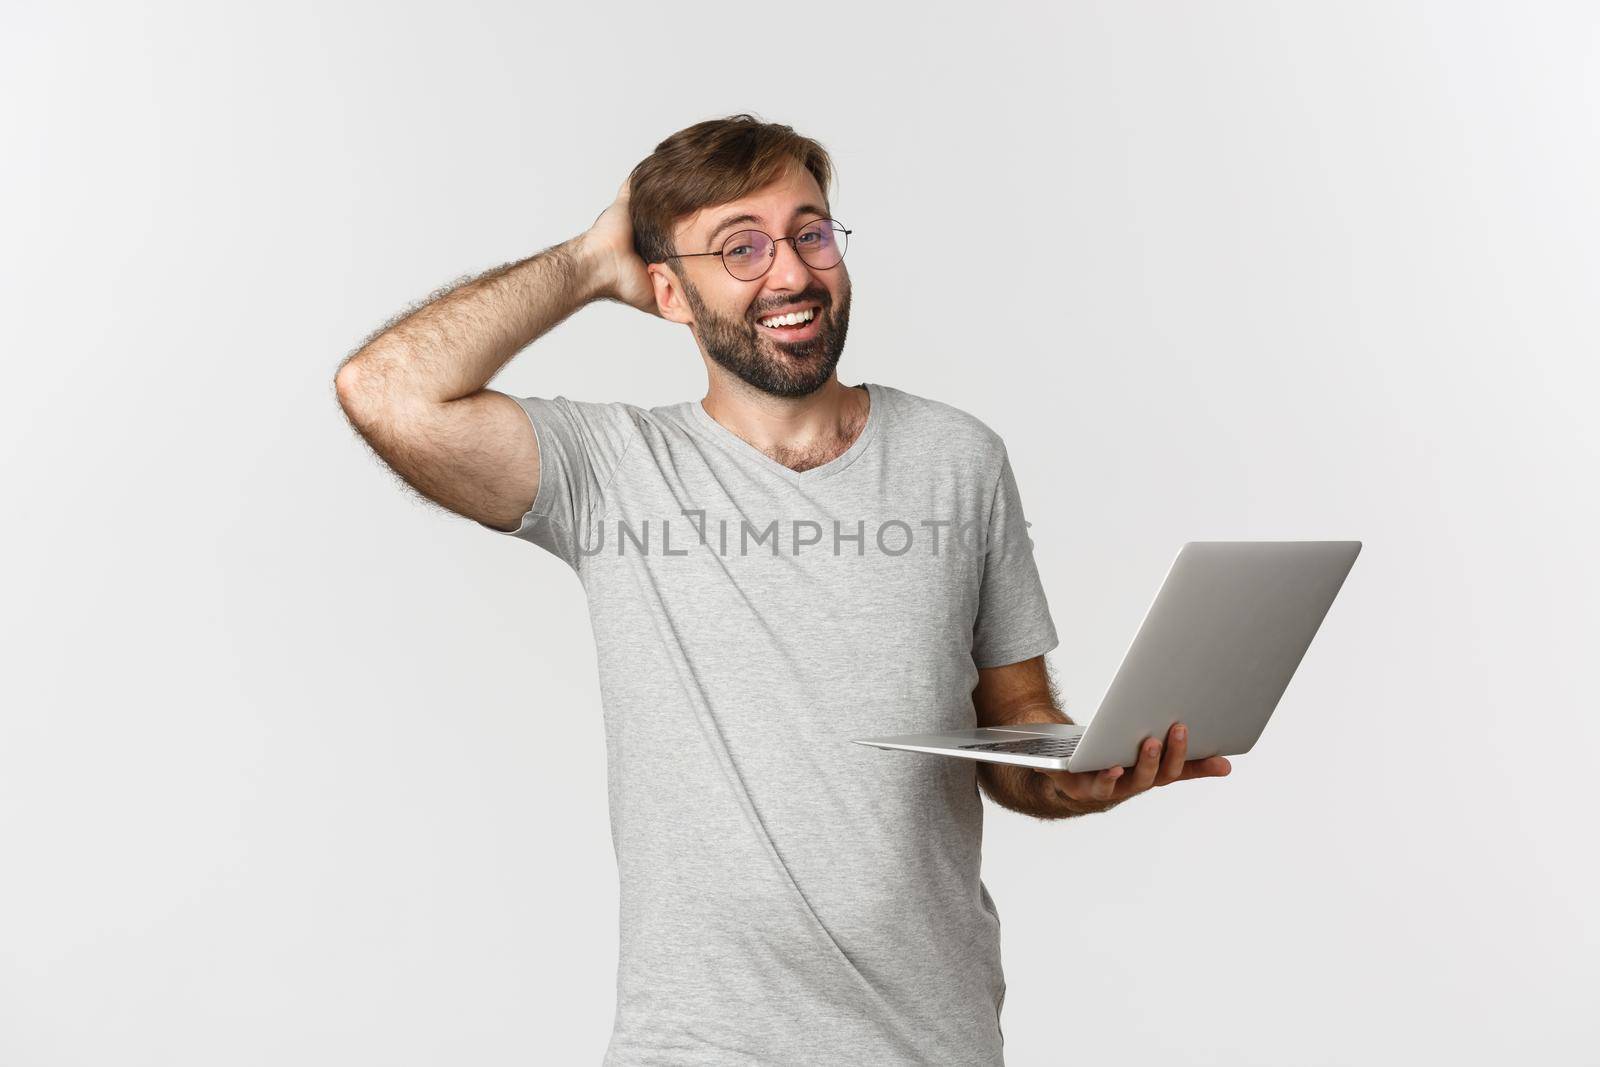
(1216, 650)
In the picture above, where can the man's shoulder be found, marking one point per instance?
(944, 424)
(620, 414)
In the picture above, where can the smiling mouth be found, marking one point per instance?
(798, 330)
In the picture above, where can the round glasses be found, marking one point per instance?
(749, 254)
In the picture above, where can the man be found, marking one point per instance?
(773, 570)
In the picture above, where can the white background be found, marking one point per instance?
(295, 768)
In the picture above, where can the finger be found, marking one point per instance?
(1177, 751)
(1087, 785)
(1210, 767)
(1144, 772)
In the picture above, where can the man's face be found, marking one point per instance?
(724, 312)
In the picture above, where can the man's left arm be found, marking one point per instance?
(1022, 692)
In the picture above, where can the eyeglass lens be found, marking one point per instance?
(748, 253)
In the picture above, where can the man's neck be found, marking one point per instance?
(800, 432)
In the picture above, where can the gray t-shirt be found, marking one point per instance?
(788, 897)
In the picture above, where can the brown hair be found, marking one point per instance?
(713, 162)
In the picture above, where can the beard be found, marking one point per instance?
(774, 366)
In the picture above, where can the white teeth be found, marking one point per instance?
(790, 319)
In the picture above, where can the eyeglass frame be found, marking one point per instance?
(773, 256)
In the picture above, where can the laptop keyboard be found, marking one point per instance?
(1033, 746)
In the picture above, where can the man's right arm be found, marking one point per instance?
(417, 391)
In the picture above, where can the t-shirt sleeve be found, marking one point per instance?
(1013, 622)
(581, 446)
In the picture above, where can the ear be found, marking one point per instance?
(669, 295)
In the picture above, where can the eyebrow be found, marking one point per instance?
(803, 209)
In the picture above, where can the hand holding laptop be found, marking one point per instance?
(1155, 768)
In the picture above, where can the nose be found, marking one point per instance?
(788, 270)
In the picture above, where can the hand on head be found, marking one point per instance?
(611, 237)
